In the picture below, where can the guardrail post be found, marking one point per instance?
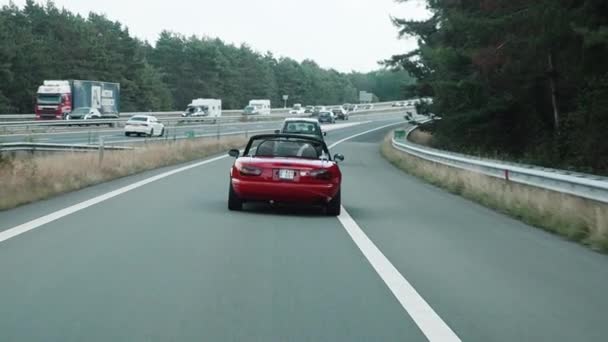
(218, 129)
(101, 148)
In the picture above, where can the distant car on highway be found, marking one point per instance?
(84, 113)
(303, 126)
(367, 107)
(351, 108)
(340, 113)
(297, 109)
(144, 125)
(399, 104)
(309, 109)
(286, 168)
(317, 110)
(326, 117)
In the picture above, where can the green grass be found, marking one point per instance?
(577, 219)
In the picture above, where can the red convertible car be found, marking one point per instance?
(286, 168)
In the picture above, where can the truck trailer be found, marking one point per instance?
(56, 100)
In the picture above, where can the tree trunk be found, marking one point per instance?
(553, 83)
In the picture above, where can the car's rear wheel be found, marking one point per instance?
(151, 134)
(234, 202)
(162, 132)
(334, 206)
(127, 134)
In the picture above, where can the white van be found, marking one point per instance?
(204, 107)
(257, 107)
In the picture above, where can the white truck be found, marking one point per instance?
(257, 107)
(204, 108)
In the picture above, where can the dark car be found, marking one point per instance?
(340, 113)
(326, 117)
(84, 113)
(308, 127)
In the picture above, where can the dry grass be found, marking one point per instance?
(25, 179)
(421, 137)
(578, 219)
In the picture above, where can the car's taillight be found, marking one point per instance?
(246, 170)
(321, 174)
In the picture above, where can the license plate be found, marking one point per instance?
(287, 174)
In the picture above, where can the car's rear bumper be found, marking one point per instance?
(137, 129)
(284, 191)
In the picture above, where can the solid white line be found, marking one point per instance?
(26, 227)
(429, 322)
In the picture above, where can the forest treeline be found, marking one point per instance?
(44, 42)
(522, 79)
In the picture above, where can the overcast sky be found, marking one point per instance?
(342, 34)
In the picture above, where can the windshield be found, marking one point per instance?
(139, 118)
(196, 109)
(49, 99)
(301, 128)
(249, 108)
(287, 148)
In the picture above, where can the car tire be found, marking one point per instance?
(334, 207)
(127, 134)
(151, 134)
(162, 132)
(234, 202)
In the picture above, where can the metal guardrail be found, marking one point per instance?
(230, 112)
(577, 184)
(13, 127)
(34, 147)
(31, 117)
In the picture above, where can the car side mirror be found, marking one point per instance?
(338, 157)
(234, 153)
(324, 134)
(277, 131)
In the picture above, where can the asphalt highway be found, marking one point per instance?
(164, 260)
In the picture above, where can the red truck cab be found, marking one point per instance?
(53, 100)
